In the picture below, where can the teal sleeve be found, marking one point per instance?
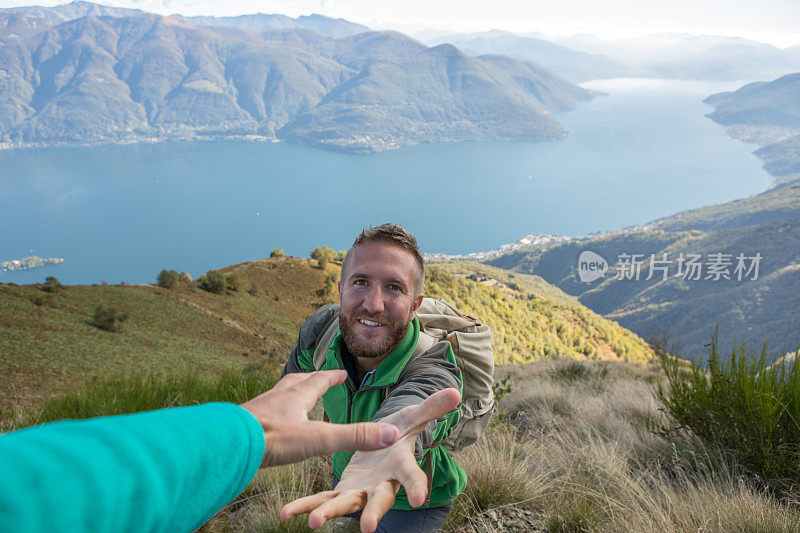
(167, 470)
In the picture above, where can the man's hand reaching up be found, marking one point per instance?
(372, 479)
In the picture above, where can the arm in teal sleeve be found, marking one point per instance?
(167, 470)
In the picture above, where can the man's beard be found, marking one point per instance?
(368, 348)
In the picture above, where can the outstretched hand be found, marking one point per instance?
(372, 479)
(291, 437)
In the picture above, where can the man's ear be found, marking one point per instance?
(417, 303)
(339, 286)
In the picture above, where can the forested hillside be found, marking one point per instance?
(760, 307)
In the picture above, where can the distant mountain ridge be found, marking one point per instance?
(676, 56)
(73, 10)
(687, 56)
(139, 76)
(319, 23)
(259, 21)
(575, 66)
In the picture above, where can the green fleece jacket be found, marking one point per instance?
(168, 470)
(398, 381)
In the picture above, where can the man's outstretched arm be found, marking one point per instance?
(167, 470)
(372, 479)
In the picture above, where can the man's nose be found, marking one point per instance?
(373, 302)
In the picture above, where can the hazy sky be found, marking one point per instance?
(773, 21)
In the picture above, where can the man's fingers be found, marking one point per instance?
(345, 502)
(379, 502)
(437, 405)
(305, 505)
(414, 418)
(413, 480)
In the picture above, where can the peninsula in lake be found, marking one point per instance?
(83, 74)
(767, 114)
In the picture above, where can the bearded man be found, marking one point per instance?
(380, 290)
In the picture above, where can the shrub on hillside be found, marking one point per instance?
(51, 284)
(323, 255)
(277, 252)
(232, 282)
(330, 291)
(109, 318)
(168, 278)
(740, 403)
(214, 282)
(253, 289)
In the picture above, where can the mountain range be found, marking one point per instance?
(260, 21)
(83, 73)
(677, 56)
(687, 56)
(573, 65)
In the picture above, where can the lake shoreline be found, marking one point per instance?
(137, 141)
(356, 147)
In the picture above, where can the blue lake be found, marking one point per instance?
(122, 213)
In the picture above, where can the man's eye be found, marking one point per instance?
(360, 282)
(394, 287)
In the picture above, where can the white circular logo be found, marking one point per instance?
(591, 266)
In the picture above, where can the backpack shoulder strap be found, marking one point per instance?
(425, 342)
(325, 339)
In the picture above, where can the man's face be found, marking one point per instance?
(377, 298)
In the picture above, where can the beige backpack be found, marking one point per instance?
(472, 347)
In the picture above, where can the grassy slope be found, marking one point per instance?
(52, 346)
(48, 343)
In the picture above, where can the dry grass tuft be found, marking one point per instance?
(257, 508)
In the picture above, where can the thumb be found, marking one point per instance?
(361, 436)
(290, 443)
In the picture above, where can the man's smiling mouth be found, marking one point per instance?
(369, 323)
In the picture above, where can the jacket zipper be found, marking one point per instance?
(352, 391)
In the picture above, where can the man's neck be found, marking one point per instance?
(365, 365)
